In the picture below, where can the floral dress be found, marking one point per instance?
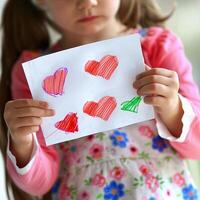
(130, 163)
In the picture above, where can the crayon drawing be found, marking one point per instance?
(131, 105)
(54, 84)
(69, 123)
(91, 91)
(103, 109)
(104, 68)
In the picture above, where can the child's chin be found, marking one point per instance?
(90, 28)
(89, 31)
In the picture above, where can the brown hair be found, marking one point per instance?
(24, 28)
(142, 13)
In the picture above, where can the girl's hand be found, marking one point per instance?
(23, 117)
(160, 89)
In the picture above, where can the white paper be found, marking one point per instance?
(81, 86)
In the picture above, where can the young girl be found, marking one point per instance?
(139, 162)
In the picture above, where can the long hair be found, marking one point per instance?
(24, 28)
(142, 13)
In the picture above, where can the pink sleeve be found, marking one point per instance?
(163, 49)
(41, 175)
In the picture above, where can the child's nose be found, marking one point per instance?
(87, 4)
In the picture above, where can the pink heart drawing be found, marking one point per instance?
(69, 123)
(54, 84)
(103, 109)
(104, 68)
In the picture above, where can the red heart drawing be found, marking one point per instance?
(103, 109)
(104, 68)
(69, 123)
(54, 84)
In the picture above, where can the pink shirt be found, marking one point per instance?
(161, 48)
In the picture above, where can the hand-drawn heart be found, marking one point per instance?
(131, 105)
(103, 109)
(69, 123)
(104, 68)
(54, 84)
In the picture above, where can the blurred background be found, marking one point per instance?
(186, 24)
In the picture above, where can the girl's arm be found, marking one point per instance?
(39, 175)
(162, 49)
(41, 171)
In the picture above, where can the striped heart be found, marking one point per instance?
(104, 68)
(54, 84)
(103, 109)
(69, 123)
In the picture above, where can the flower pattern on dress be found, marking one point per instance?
(159, 143)
(152, 183)
(67, 192)
(73, 152)
(117, 173)
(146, 131)
(133, 150)
(144, 170)
(178, 179)
(90, 138)
(99, 180)
(119, 138)
(189, 193)
(84, 195)
(114, 191)
(152, 198)
(64, 192)
(109, 182)
(96, 151)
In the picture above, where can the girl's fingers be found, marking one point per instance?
(158, 102)
(27, 130)
(34, 112)
(154, 100)
(152, 79)
(28, 121)
(147, 68)
(155, 89)
(157, 71)
(21, 103)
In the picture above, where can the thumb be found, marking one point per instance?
(147, 68)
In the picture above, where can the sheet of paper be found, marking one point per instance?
(90, 88)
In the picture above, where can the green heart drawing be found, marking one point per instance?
(131, 105)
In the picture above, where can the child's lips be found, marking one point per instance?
(87, 19)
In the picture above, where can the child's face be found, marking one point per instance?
(83, 17)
